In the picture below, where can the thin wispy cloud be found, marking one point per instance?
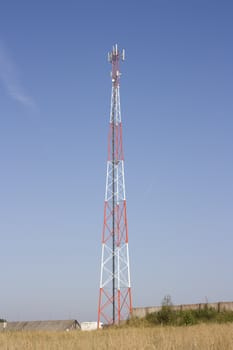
(9, 78)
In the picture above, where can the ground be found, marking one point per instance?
(199, 337)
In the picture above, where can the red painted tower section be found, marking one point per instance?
(115, 301)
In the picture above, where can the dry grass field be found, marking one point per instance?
(199, 337)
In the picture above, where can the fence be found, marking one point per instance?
(220, 306)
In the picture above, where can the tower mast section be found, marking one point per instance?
(115, 303)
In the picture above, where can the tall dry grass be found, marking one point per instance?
(200, 337)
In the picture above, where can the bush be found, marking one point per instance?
(206, 314)
(152, 318)
(225, 316)
(187, 318)
(166, 315)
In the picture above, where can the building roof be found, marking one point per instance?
(62, 325)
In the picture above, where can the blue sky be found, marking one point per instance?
(177, 107)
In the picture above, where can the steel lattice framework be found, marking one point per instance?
(115, 301)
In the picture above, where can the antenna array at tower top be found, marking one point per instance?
(115, 54)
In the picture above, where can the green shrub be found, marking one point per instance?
(187, 317)
(166, 315)
(206, 314)
(152, 318)
(224, 316)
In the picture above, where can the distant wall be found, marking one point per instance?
(221, 306)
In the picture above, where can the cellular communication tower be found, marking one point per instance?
(115, 301)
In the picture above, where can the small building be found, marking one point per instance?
(90, 326)
(48, 326)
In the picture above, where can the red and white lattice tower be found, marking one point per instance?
(115, 302)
